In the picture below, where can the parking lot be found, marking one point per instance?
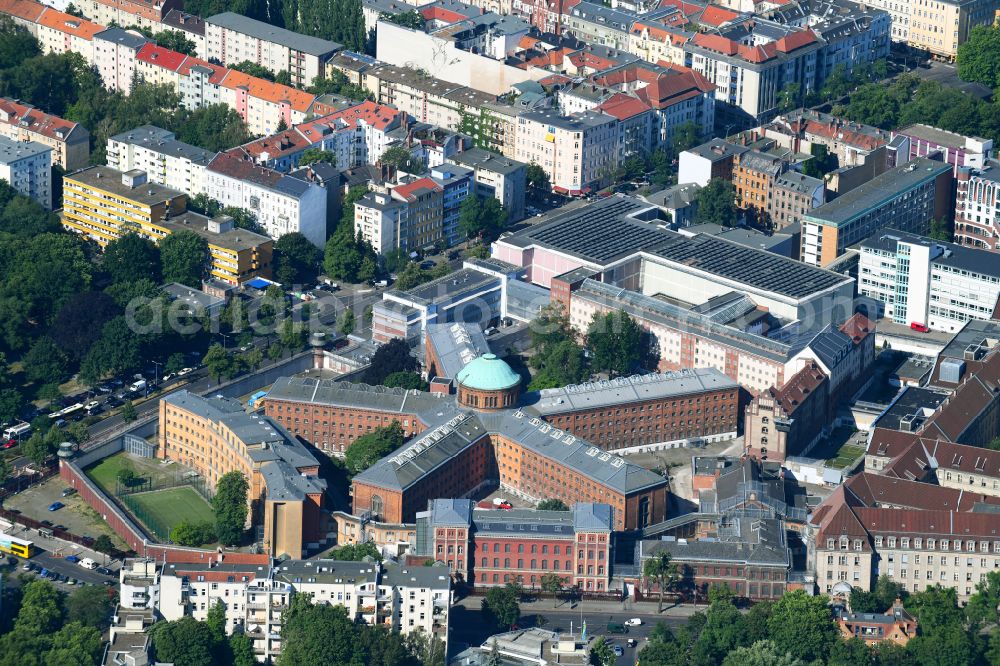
(76, 515)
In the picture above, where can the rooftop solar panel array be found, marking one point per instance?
(748, 266)
(598, 232)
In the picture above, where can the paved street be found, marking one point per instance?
(471, 626)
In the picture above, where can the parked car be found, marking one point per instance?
(618, 650)
(68, 491)
(184, 371)
(44, 573)
(634, 622)
(9, 444)
(72, 559)
(47, 523)
(62, 527)
(55, 506)
(631, 642)
(104, 571)
(919, 328)
(30, 566)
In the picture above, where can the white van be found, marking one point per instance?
(88, 563)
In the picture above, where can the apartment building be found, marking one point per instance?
(232, 38)
(959, 151)
(920, 280)
(115, 53)
(24, 13)
(264, 105)
(792, 195)
(977, 207)
(496, 177)
(917, 534)
(546, 15)
(907, 198)
(380, 218)
(577, 152)
(657, 42)
(142, 13)
(69, 141)
(456, 183)
(282, 203)
(166, 161)
(214, 436)
(713, 159)
(236, 255)
(189, 25)
(494, 547)
(27, 167)
(426, 98)
(256, 590)
(938, 26)
(754, 174)
(424, 199)
(102, 203)
(58, 32)
(751, 62)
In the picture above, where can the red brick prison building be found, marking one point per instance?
(492, 547)
(645, 412)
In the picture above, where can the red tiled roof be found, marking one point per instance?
(716, 43)
(409, 191)
(799, 388)
(276, 145)
(275, 93)
(34, 119)
(69, 24)
(876, 490)
(623, 106)
(716, 16)
(29, 10)
(379, 116)
(674, 87)
(161, 57)
(240, 165)
(796, 40)
(432, 13)
(857, 328)
(218, 72)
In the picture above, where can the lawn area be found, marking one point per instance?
(847, 454)
(162, 510)
(105, 472)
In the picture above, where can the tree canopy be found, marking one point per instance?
(481, 217)
(185, 258)
(368, 449)
(392, 357)
(979, 56)
(619, 346)
(717, 203)
(230, 505)
(296, 260)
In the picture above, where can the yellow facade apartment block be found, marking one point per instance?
(103, 203)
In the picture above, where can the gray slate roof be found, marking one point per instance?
(654, 386)
(267, 32)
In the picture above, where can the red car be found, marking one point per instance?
(505, 506)
(920, 328)
(9, 444)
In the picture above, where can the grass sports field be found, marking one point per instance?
(105, 471)
(162, 510)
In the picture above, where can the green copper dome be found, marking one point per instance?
(488, 373)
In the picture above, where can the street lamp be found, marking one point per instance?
(225, 339)
(156, 373)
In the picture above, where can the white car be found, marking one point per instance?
(183, 371)
(634, 622)
(90, 405)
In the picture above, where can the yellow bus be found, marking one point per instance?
(14, 546)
